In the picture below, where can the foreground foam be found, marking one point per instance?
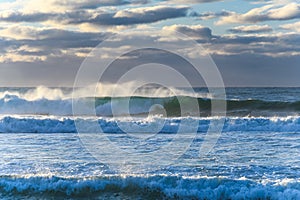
(147, 187)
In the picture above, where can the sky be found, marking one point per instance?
(252, 42)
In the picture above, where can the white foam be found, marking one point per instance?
(169, 186)
(54, 124)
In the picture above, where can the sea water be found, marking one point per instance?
(256, 156)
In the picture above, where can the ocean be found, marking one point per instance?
(43, 155)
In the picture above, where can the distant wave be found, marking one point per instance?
(173, 106)
(37, 124)
(141, 106)
(151, 187)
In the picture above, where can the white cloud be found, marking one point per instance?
(264, 13)
(30, 6)
(189, 1)
(21, 32)
(251, 29)
(292, 26)
(196, 32)
(15, 57)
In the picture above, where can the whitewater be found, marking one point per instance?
(43, 156)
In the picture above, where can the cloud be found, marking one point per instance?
(49, 42)
(136, 16)
(251, 29)
(210, 15)
(42, 52)
(264, 13)
(266, 44)
(33, 6)
(92, 4)
(292, 26)
(190, 1)
(38, 44)
(16, 57)
(12, 16)
(59, 36)
(99, 17)
(196, 32)
(270, 45)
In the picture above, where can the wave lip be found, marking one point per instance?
(157, 186)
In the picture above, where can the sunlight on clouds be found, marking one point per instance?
(87, 27)
(133, 12)
(288, 11)
(116, 29)
(264, 13)
(30, 6)
(293, 26)
(29, 49)
(19, 32)
(14, 57)
(188, 1)
(195, 32)
(251, 29)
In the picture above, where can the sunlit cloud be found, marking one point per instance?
(292, 26)
(264, 13)
(251, 29)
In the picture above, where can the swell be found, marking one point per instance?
(151, 187)
(142, 106)
(175, 106)
(168, 125)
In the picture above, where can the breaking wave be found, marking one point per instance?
(151, 187)
(13, 104)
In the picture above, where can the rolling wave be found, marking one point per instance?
(173, 105)
(151, 187)
(142, 106)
